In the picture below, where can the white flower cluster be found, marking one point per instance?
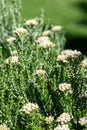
(71, 53)
(65, 87)
(66, 54)
(62, 58)
(49, 120)
(40, 72)
(56, 28)
(4, 127)
(83, 121)
(30, 107)
(62, 127)
(84, 63)
(45, 42)
(11, 40)
(20, 31)
(13, 60)
(63, 118)
(43, 39)
(46, 33)
(31, 22)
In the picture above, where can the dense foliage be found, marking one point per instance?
(42, 86)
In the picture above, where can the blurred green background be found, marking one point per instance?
(72, 14)
(69, 13)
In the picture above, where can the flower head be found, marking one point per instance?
(4, 127)
(43, 39)
(49, 120)
(84, 63)
(40, 72)
(62, 127)
(63, 118)
(46, 33)
(83, 121)
(32, 22)
(30, 107)
(62, 58)
(56, 28)
(67, 54)
(10, 40)
(14, 59)
(65, 87)
(71, 53)
(46, 45)
(20, 31)
(45, 42)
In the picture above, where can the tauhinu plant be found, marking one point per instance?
(42, 86)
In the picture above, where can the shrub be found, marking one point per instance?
(42, 86)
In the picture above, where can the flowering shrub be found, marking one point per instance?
(42, 86)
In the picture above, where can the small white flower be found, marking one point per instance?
(67, 54)
(30, 107)
(49, 120)
(40, 72)
(10, 40)
(4, 127)
(32, 22)
(62, 127)
(71, 53)
(13, 53)
(46, 33)
(14, 59)
(43, 39)
(62, 58)
(56, 28)
(84, 63)
(20, 31)
(45, 42)
(63, 118)
(65, 87)
(83, 121)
